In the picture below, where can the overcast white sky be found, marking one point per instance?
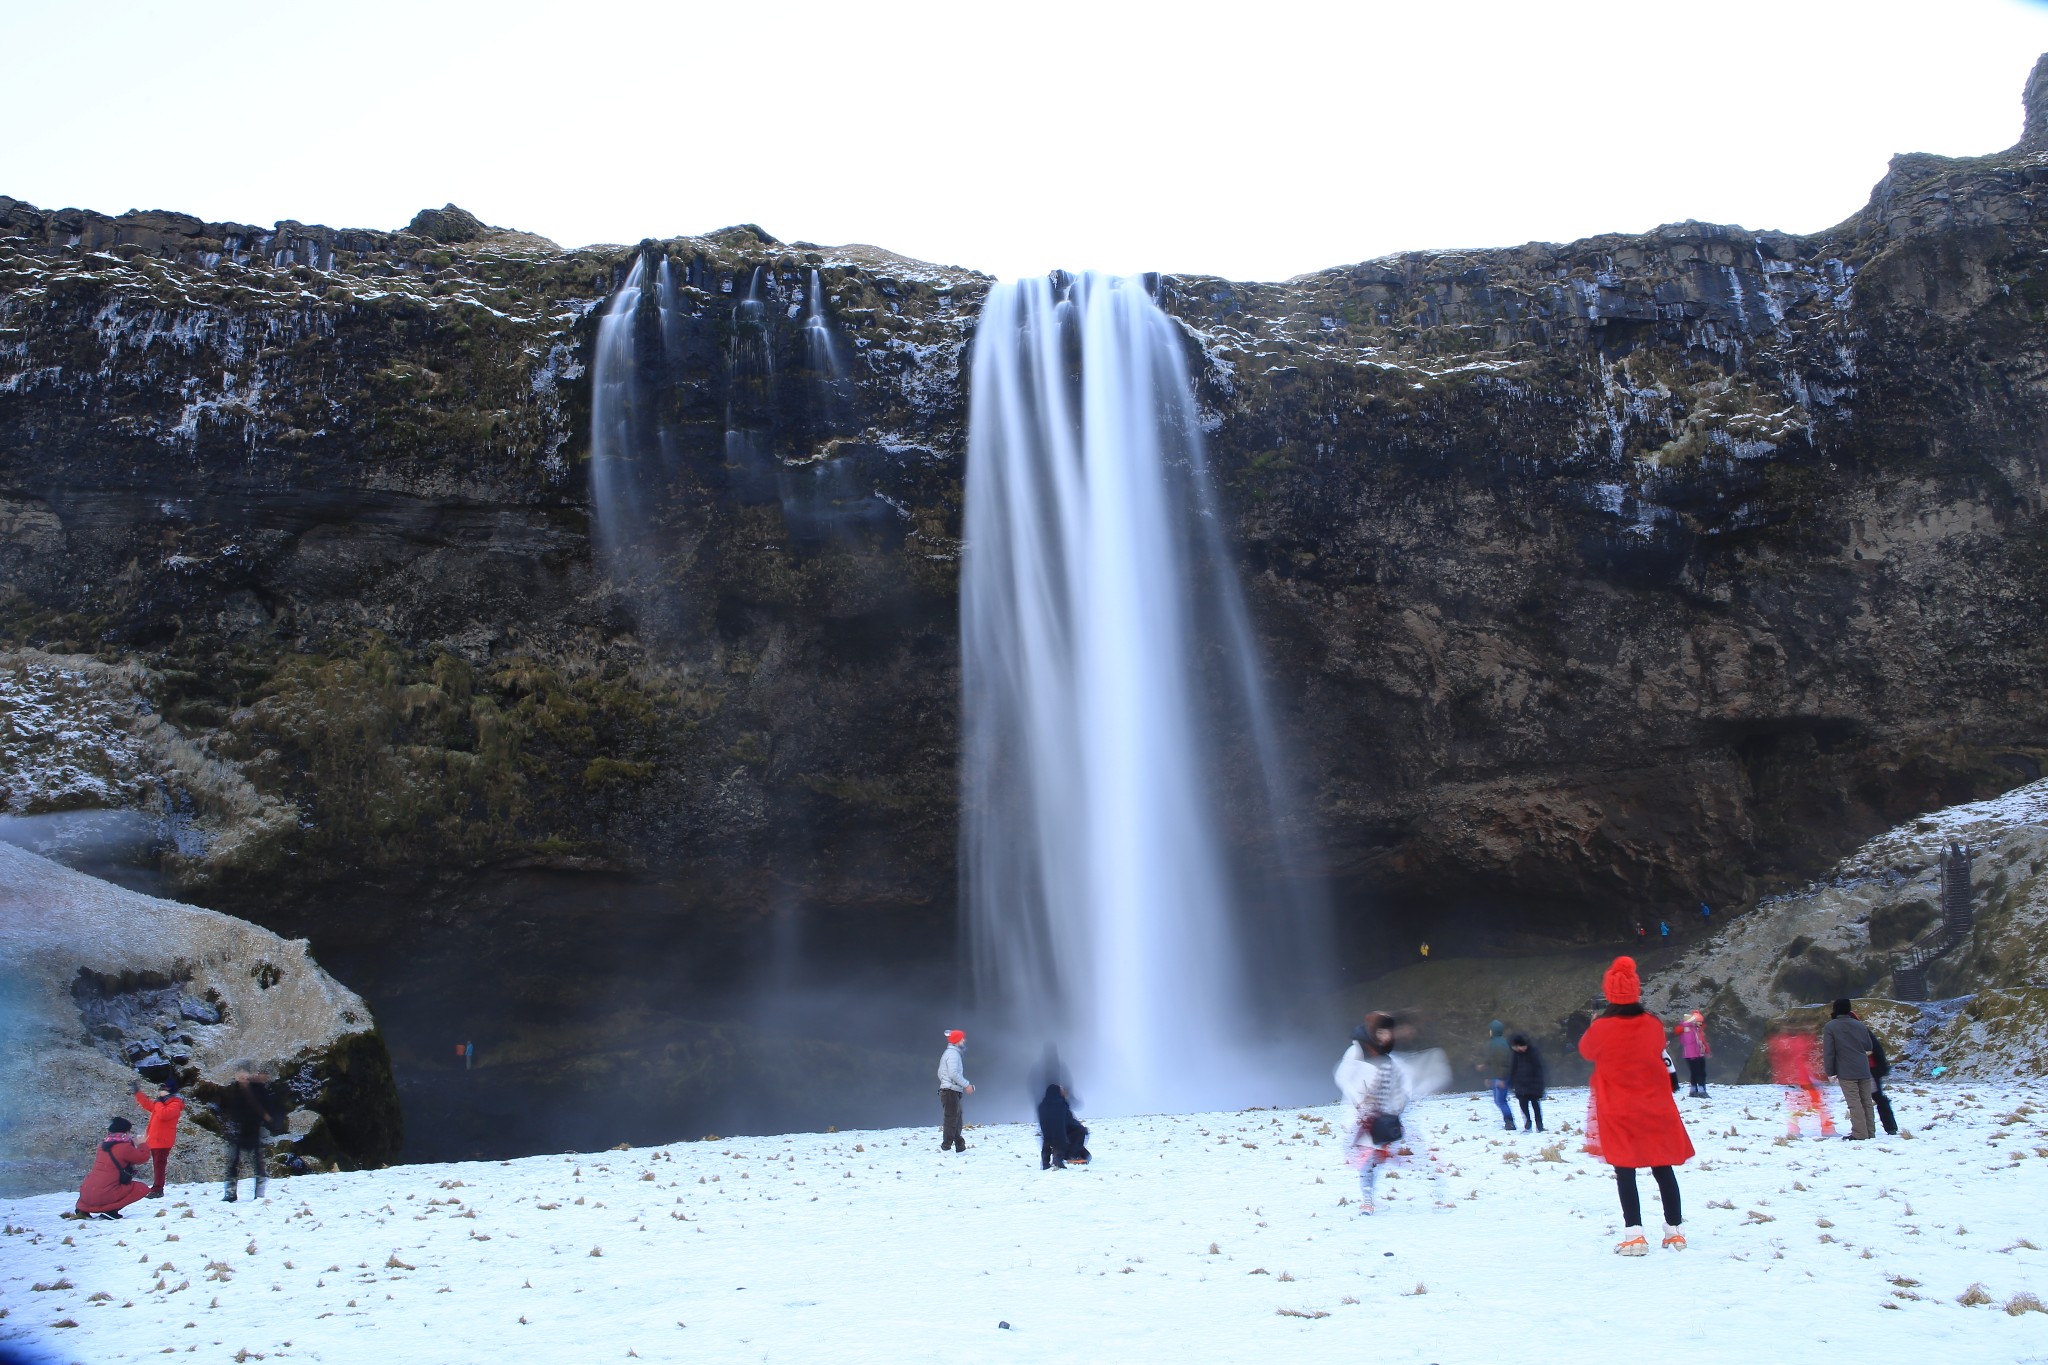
(1257, 139)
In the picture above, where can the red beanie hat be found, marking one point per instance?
(955, 1036)
(1621, 985)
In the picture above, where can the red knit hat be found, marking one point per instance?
(955, 1037)
(1621, 985)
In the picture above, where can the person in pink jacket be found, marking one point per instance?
(110, 1185)
(1692, 1041)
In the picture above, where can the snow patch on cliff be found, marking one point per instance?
(67, 734)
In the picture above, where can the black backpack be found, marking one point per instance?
(122, 1169)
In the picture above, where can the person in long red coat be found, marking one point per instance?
(1639, 1123)
(110, 1185)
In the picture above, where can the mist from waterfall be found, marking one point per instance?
(1107, 664)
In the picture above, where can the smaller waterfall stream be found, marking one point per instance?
(630, 445)
(824, 351)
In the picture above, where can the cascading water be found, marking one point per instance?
(1107, 913)
(629, 443)
(824, 352)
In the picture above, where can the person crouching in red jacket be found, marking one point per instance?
(162, 1133)
(110, 1185)
(1639, 1123)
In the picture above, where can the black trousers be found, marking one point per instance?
(1884, 1109)
(1632, 1203)
(1696, 1069)
(949, 1108)
(1529, 1105)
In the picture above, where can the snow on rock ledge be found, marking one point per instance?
(96, 981)
(1840, 937)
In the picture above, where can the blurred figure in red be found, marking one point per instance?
(1794, 1065)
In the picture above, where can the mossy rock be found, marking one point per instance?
(1816, 973)
(1898, 923)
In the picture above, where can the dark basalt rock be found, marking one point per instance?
(447, 224)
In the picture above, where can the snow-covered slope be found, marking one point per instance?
(1841, 936)
(1211, 1237)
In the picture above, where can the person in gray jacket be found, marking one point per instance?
(1845, 1048)
(952, 1085)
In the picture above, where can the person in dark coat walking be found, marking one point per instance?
(1881, 1067)
(1525, 1078)
(1061, 1136)
(1845, 1049)
(248, 1108)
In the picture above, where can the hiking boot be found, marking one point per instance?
(1674, 1240)
(230, 1197)
(1637, 1245)
(154, 1194)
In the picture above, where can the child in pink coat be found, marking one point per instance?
(1692, 1041)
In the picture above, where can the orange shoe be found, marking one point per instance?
(1674, 1240)
(1637, 1245)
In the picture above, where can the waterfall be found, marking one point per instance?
(636, 458)
(1106, 661)
(624, 430)
(824, 353)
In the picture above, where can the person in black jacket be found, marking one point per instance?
(1525, 1078)
(1061, 1136)
(249, 1106)
(1881, 1067)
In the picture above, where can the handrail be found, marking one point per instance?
(1958, 920)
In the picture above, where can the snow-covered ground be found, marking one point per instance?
(1207, 1237)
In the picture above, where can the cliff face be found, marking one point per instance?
(1594, 579)
(1636, 572)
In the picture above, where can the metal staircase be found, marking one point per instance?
(1958, 918)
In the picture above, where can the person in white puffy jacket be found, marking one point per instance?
(953, 1084)
(1378, 1088)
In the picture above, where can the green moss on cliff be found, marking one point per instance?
(395, 758)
